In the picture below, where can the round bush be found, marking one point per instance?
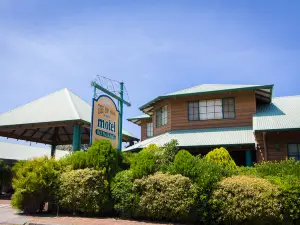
(35, 182)
(165, 197)
(245, 198)
(222, 157)
(84, 190)
(122, 194)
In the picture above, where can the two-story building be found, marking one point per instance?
(245, 119)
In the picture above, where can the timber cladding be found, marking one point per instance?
(276, 143)
(245, 107)
(144, 128)
(166, 127)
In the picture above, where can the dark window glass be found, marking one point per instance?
(294, 151)
(193, 111)
(228, 108)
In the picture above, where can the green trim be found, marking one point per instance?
(277, 130)
(248, 158)
(206, 92)
(76, 137)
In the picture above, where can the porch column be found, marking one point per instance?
(248, 158)
(53, 148)
(76, 137)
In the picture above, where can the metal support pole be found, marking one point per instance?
(76, 137)
(121, 114)
(91, 130)
(53, 148)
(248, 158)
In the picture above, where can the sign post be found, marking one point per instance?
(107, 119)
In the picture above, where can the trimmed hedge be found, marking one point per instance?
(84, 190)
(165, 197)
(240, 199)
(222, 157)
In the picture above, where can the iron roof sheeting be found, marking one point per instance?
(202, 137)
(23, 152)
(60, 106)
(210, 88)
(282, 114)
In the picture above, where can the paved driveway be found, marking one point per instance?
(10, 216)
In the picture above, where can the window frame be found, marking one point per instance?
(298, 148)
(162, 117)
(198, 101)
(151, 129)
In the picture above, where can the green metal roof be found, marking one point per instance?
(202, 137)
(128, 134)
(282, 114)
(137, 119)
(209, 88)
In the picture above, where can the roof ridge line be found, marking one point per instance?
(73, 106)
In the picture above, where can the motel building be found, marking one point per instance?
(247, 120)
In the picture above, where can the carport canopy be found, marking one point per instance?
(61, 118)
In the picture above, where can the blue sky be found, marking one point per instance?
(155, 47)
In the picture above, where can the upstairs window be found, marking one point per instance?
(294, 151)
(211, 109)
(162, 116)
(149, 129)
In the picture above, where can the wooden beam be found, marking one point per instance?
(24, 132)
(37, 130)
(66, 133)
(9, 135)
(45, 133)
(54, 136)
(38, 125)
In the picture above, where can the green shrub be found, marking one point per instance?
(76, 160)
(205, 175)
(165, 197)
(35, 182)
(84, 190)
(5, 175)
(122, 194)
(246, 199)
(102, 156)
(144, 163)
(222, 157)
(279, 168)
(286, 175)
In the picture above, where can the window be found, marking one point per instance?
(193, 111)
(149, 129)
(228, 108)
(162, 116)
(294, 151)
(211, 109)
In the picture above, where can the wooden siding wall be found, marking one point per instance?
(272, 138)
(164, 128)
(245, 107)
(144, 128)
